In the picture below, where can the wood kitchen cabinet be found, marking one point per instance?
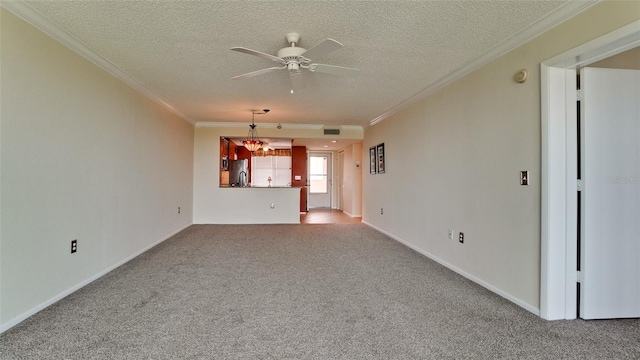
(299, 173)
(303, 199)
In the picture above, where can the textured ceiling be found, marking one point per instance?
(180, 50)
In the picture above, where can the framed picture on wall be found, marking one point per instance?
(372, 160)
(380, 150)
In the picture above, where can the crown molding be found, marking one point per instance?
(275, 126)
(259, 125)
(33, 17)
(563, 13)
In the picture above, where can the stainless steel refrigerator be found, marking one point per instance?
(239, 173)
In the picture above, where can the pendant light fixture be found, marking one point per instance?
(253, 142)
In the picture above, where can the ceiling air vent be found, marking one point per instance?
(332, 131)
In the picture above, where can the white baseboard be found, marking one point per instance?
(351, 215)
(515, 300)
(20, 318)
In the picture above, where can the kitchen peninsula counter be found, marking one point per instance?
(259, 187)
(226, 204)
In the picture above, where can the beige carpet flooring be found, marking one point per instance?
(338, 291)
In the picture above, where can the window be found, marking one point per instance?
(319, 183)
(278, 168)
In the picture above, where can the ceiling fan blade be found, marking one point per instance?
(258, 53)
(323, 48)
(258, 72)
(297, 81)
(332, 69)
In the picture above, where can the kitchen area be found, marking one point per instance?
(245, 197)
(279, 164)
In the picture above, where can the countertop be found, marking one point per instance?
(260, 187)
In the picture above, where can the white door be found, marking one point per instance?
(319, 180)
(610, 200)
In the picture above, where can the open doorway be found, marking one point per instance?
(559, 210)
(320, 180)
(327, 216)
(326, 181)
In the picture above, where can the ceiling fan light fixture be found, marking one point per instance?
(297, 60)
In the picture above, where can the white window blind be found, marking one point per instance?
(276, 167)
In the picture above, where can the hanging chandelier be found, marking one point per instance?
(253, 142)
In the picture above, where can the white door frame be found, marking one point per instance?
(338, 175)
(330, 169)
(559, 168)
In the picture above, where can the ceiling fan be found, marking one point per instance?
(294, 59)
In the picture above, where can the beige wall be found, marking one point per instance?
(471, 140)
(83, 156)
(352, 180)
(347, 183)
(629, 59)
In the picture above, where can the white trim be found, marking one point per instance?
(554, 166)
(20, 318)
(351, 215)
(331, 191)
(302, 126)
(476, 280)
(562, 13)
(33, 17)
(245, 124)
(558, 255)
(607, 45)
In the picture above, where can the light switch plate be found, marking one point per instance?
(297, 177)
(524, 178)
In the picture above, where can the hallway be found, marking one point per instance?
(327, 216)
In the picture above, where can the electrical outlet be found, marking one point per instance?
(381, 211)
(273, 205)
(450, 234)
(178, 209)
(74, 246)
(461, 237)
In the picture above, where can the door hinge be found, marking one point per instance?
(578, 276)
(578, 95)
(580, 185)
